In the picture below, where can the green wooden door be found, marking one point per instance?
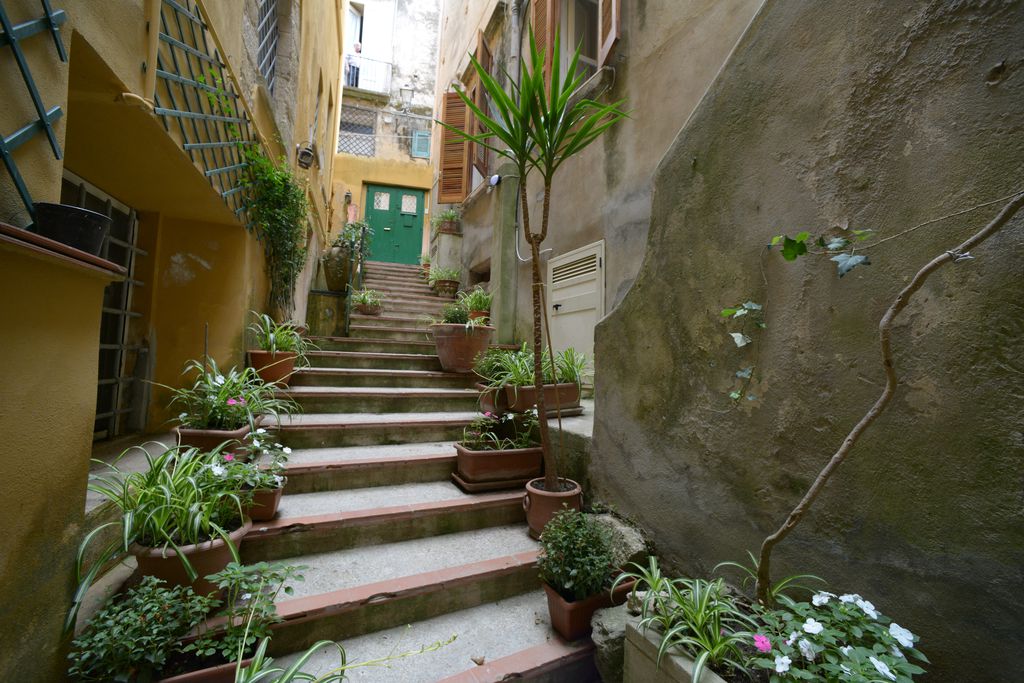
(396, 216)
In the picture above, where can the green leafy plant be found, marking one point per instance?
(455, 314)
(134, 634)
(448, 215)
(777, 589)
(438, 274)
(227, 400)
(695, 617)
(278, 216)
(490, 432)
(538, 126)
(248, 607)
(275, 337)
(258, 464)
(576, 555)
(366, 297)
(743, 320)
(476, 299)
(832, 638)
(505, 367)
(424, 259)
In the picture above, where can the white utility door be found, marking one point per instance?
(576, 299)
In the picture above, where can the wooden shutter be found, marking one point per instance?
(478, 94)
(454, 181)
(607, 28)
(544, 18)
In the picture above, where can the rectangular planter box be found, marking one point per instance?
(486, 466)
(521, 399)
(492, 400)
(641, 660)
(572, 619)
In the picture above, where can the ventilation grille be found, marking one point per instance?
(581, 266)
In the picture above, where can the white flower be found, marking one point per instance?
(286, 450)
(246, 596)
(868, 608)
(806, 649)
(883, 668)
(261, 430)
(792, 638)
(219, 379)
(813, 627)
(278, 479)
(896, 652)
(846, 650)
(822, 598)
(902, 635)
(256, 443)
(782, 664)
(849, 597)
(217, 470)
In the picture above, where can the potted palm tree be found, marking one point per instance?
(537, 127)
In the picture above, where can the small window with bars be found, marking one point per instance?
(358, 131)
(266, 30)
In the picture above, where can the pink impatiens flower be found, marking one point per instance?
(232, 402)
(762, 643)
(229, 457)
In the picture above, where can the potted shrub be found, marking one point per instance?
(511, 373)
(498, 452)
(488, 368)
(123, 642)
(477, 301)
(448, 221)
(576, 566)
(367, 301)
(445, 281)
(74, 226)
(221, 407)
(425, 265)
(460, 340)
(281, 348)
(261, 473)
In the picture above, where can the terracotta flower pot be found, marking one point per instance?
(336, 268)
(208, 439)
(492, 401)
(273, 368)
(446, 288)
(513, 463)
(365, 309)
(541, 505)
(265, 503)
(208, 557)
(450, 227)
(458, 346)
(476, 315)
(426, 269)
(222, 673)
(572, 619)
(563, 396)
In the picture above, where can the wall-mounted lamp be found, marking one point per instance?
(348, 197)
(494, 180)
(304, 155)
(406, 92)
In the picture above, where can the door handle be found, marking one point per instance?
(556, 306)
(387, 229)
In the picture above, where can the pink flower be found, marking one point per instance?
(232, 402)
(762, 643)
(229, 457)
(488, 414)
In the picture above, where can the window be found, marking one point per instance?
(409, 203)
(579, 24)
(382, 201)
(267, 33)
(358, 130)
(420, 144)
(593, 25)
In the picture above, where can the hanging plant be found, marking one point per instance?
(278, 216)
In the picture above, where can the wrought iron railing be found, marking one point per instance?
(355, 274)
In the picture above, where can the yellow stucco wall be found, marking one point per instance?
(50, 342)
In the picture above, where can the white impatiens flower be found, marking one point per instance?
(217, 470)
(806, 649)
(792, 638)
(782, 664)
(261, 430)
(813, 627)
(902, 635)
(849, 597)
(896, 652)
(821, 598)
(286, 450)
(846, 650)
(219, 379)
(256, 443)
(868, 608)
(883, 668)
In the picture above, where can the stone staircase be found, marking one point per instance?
(397, 556)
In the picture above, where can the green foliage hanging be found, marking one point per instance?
(278, 216)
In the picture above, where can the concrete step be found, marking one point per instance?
(322, 430)
(396, 333)
(364, 377)
(388, 267)
(388, 296)
(339, 520)
(421, 362)
(393, 319)
(352, 592)
(401, 307)
(376, 282)
(333, 469)
(399, 286)
(381, 399)
(378, 345)
(514, 628)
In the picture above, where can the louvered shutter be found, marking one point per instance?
(543, 16)
(607, 28)
(479, 96)
(454, 182)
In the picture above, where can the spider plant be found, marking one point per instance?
(500, 367)
(437, 274)
(366, 297)
(447, 216)
(476, 299)
(538, 126)
(276, 337)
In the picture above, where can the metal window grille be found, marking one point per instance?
(420, 144)
(381, 201)
(408, 203)
(358, 129)
(267, 31)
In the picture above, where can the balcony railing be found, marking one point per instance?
(368, 74)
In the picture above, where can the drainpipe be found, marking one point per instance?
(517, 40)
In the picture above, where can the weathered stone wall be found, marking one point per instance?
(875, 115)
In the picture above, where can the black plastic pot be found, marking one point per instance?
(76, 227)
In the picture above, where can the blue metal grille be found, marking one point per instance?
(197, 102)
(11, 37)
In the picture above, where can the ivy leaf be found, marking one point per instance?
(751, 306)
(734, 395)
(791, 249)
(802, 236)
(726, 312)
(776, 240)
(751, 397)
(837, 243)
(739, 312)
(862, 235)
(740, 339)
(762, 325)
(745, 373)
(847, 262)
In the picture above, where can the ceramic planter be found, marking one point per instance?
(541, 505)
(365, 309)
(572, 619)
(492, 401)
(222, 673)
(493, 466)
(79, 228)
(273, 368)
(446, 288)
(208, 439)
(265, 503)
(641, 665)
(208, 557)
(458, 346)
(336, 268)
(562, 396)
